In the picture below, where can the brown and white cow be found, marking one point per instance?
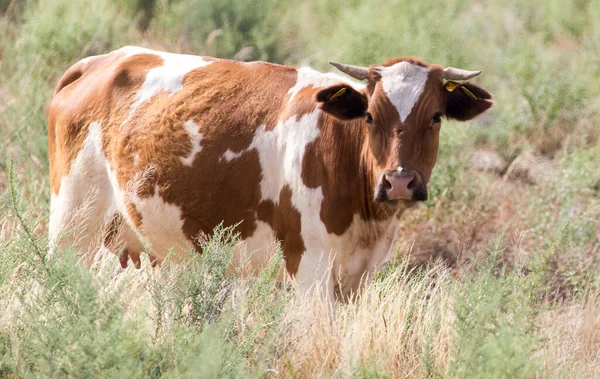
(172, 145)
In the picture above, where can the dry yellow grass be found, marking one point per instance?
(573, 339)
(393, 324)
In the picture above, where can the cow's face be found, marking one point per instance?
(403, 105)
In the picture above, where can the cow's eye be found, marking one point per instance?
(437, 118)
(369, 118)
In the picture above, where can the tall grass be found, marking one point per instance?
(498, 273)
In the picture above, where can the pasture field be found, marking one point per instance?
(498, 273)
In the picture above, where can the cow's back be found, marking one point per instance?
(136, 92)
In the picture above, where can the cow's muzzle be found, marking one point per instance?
(400, 184)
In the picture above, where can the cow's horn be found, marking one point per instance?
(452, 73)
(357, 72)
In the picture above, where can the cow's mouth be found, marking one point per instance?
(400, 184)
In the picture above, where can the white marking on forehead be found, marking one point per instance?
(195, 137)
(309, 77)
(168, 77)
(403, 84)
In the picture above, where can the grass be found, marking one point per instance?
(498, 274)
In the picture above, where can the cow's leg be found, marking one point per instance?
(79, 209)
(315, 269)
(77, 217)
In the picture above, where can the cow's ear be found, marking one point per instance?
(343, 102)
(466, 101)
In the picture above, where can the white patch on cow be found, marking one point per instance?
(309, 77)
(165, 78)
(230, 155)
(130, 51)
(84, 195)
(403, 83)
(281, 152)
(73, 189)
(348, 260)
(195, 138)
(356, 262)
(162, 225)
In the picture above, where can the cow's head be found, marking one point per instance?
(402, 105)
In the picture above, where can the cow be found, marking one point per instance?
(165, 147)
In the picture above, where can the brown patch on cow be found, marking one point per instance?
(127, 79)
(84, 95)
(285, 221)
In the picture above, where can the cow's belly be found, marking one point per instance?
(162, 230)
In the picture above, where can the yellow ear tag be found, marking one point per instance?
(338, 93)
(468, 93)
(450, 85)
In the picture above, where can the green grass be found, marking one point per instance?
(508, 277)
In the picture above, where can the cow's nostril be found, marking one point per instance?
(412, 184)
(385, 183)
